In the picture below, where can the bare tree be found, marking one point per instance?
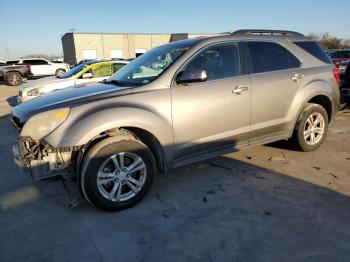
(330, 42)
(346, 43)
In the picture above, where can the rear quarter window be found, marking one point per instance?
(315, 50)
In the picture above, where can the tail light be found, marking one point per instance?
(336, 74)
(29, 69)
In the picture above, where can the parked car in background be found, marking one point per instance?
(14, 75)
(343, 65)
(84, 61)
(339, 56)
(345, 88)
(179, 103)
(41, 67)
(92, 71)
(2, 62)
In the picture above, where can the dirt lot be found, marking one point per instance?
(267, 203)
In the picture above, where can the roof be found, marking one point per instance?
(263, 34)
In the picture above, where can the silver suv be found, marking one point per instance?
(179, 103)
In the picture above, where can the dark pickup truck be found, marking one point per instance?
(14, 75)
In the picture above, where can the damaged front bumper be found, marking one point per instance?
(16, 158)
(41, 160)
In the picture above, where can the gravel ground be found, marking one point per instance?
(267, 203)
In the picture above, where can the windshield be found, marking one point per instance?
(75, 70)
(150, 65)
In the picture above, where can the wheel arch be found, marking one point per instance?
(83, 129)
(123, 133)
(319, 99)
(14, 71)
(317, 91)
(325, 102)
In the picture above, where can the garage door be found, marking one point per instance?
(116, 53)
(89, 54)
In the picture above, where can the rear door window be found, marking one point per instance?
(269, 57)
(315, 50)
(35, 62)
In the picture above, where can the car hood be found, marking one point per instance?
(67, 97)
(43, 81)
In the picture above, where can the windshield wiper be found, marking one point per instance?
(115, 82)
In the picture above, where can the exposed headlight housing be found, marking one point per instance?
(42, 124)
(34, 91)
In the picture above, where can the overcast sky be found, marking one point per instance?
(29, 27)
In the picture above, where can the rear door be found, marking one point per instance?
(210, 116)
(276, 77)
(40, 67)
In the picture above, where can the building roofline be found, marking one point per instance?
(99, 33)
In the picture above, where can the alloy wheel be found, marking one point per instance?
(121, 176)
(314, 129)
(14, 79)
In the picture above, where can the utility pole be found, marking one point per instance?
(7, 53)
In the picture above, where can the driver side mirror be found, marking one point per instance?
(192, 76)
(87, 75)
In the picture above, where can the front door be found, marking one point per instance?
(215, 114)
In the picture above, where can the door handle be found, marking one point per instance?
(296, 77)
(239, 89)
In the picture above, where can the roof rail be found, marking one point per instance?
(266, 32)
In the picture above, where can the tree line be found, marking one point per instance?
(327, 41)
(47, 57)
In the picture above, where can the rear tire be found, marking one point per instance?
(311, 129)
(60, 72)
(14, 79)
(117, 174)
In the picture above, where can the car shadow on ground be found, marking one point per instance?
(283, 144)
(12, 101)
(221, 209)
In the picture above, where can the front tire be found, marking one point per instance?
(60, 72)
(14, 79)
(117, 174)
(311, 129)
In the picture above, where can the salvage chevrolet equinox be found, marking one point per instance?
(179, 103)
